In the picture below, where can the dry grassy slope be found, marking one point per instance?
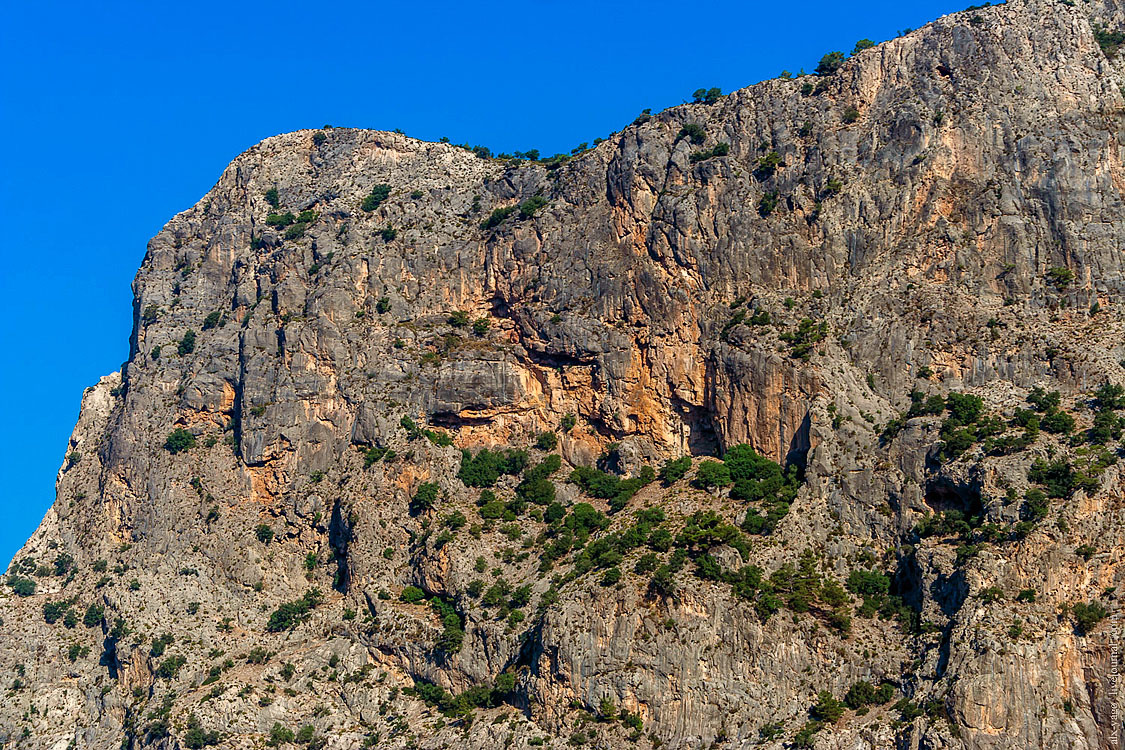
(984, 152)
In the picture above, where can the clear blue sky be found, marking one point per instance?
(115, 116)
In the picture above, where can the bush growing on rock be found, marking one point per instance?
(694, 132)
(707, 96)
(412, 595)
(483, 469)
(531, 205)
(375, 198)
(179, 440)
(291, 614)
(711, 474)
(861, 45)
(187, 343)
(425, 497)
(94, 614)
(674, 470)
(830, 63)
(1088, 615)
(497, 217)
(768, 203)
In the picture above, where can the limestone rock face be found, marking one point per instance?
(248, 511)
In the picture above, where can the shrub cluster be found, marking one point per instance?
(291, 614)
(611, 487)
(375, 198)
(483, 469)
(719, 149)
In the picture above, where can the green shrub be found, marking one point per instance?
(1043, 400)
(1087, 616)
(291, 614)
(610, 487)
(319, 138)
(567, 422)
(827, 708)
(863, 693)
(757, 478)
(53, 611)
(458, 319)
(212, 320)
(768, 165)
(1060, 277)
(1107, 426)
(1109, 397)
(481, 326)
(281, 220)
(707, 96)
(179, 440)
(1109, 41)
(674, 470)
(424, 498)
(171, 666)
(187, 343)
(1057, 422)
(373, 455)
(273, 198)
(160, 643)
(388, 234)
(719, 149)
(94, 614)
(531, 205)
(711, 474)
(486, 467)
(1060, 478)
(375, 198)
(861, 45)
(803, 341)
(694, 132)
(412, 595)
(497, 217)
(279, 735)
(830, 63)
(850, 115)
(768, 203)
(264, 533)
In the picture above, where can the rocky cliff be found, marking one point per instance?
(398, 455)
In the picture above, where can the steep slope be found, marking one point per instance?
(899, 282)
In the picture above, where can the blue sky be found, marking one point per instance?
(115, 116)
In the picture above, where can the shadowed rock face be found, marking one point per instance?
(943, 214)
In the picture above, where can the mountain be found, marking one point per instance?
(790, 417)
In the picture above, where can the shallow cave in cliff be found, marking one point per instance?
(700, 428)
(453, 419)
(944, 494)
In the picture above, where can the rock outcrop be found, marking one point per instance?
(899, 282)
